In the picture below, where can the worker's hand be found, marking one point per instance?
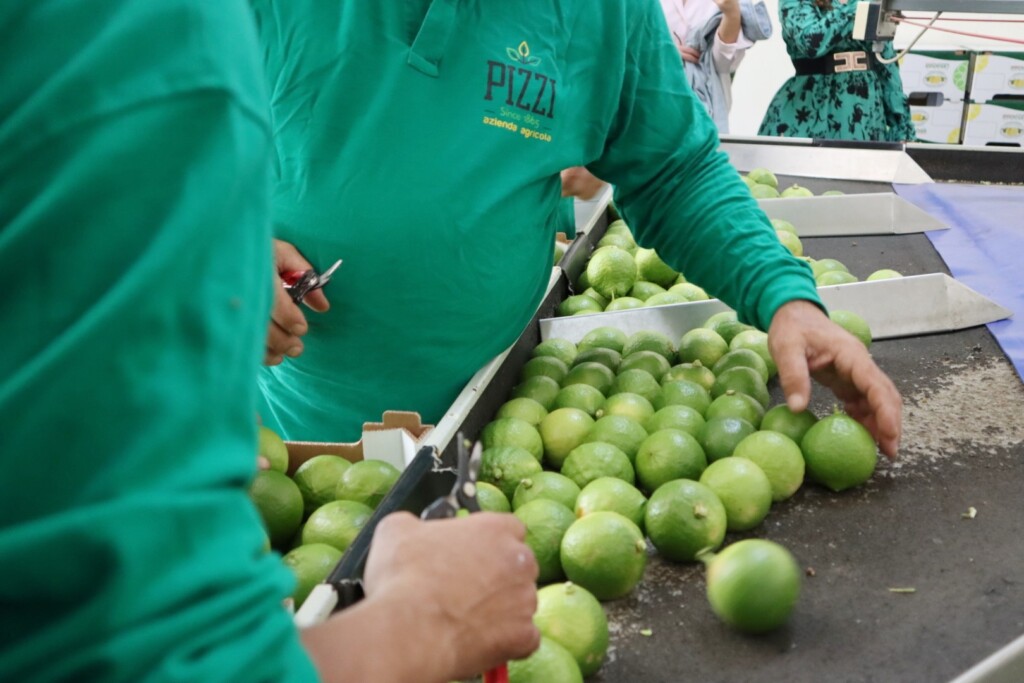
(287, 321)
(804, 343)
(468, 583)
(579, 182)
(689, 54)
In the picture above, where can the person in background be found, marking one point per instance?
(712, 36)
(423, 142)
(841, 90)
(134, 235)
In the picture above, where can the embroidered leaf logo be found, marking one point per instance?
(521, 54)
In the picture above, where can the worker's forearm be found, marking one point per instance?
(729, 29)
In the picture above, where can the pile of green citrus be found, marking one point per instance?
(621, 275)
(314, 514)
(621, 442)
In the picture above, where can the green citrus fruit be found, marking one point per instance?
(541, 389)
(635, 381)
(544, 365)
(666, 455)
(611, 494)
(783, 420)
(581, 396)
(546, 485)
(683, 392)
(273, 448)
(644, 290)
(624, 303)
(756, 341)
(546, 522)
(683, 418)
(311, 564)
(337, 523)
(790, 241)
(578, 303)
(594, 374)
(549, 662)
(620, 431)
(650, 267)
(694, 372)
(665, 299)
(596, 296)
(318, 478)
(721, 435)
(633, 406)
(280, 504)
(367, 482)
(729, 329)
(742, 380)
(852, 323)
(753, 585)
(611, 271)
(525, 409)
(650, 361)
(825, 265)
(734, 404)
(780, 224)
(490, 498)
(702, 344)
(591, 461)
(840, 452)
(884, 274)
(683, 518)
(690, 291)
(780, 459)
(745, 358)
(607, 357)
(506, 466)
(562, 349)
(648, 340)
(834, 277)
(571, 616)
(511, 431)
(762, 176)
(603, 337)
(605, 553)
(744, 490)
(764, 192)
(797, 191)
(561, 431)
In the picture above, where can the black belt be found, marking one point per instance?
(834, 63)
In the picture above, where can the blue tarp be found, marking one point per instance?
(984, 247)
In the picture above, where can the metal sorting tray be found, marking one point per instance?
(876, 213)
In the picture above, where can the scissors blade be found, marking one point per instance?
(326, 275)
(473, 466)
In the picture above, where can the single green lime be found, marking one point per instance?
(665, 299)
(311, 564)
(650, 267)
(834, 277)
(611, 494)
(684, 518)
(571, 616)
(683, 418)
(605, 553)
(852, 323)
(544, 365)
(735, 404)
(591, 461)
(633, 406)
(683, 392)
(624, 303)
(611, 271)
(607, 357)
(506, 466)
(780, 459)
(561, 431)
(620, 431)
(490, 498)
(525, 409)
(840, 453)
(644, 290)
(594, 374)
(702, 344)
(666, 455)
(742, 358)
(546, 522)
(562, 349)
(721, 435)
(756, 341)
(549, 662)
(884, 274)
(581, 396)
(541, 389)
(511, 431)
(824, 265)
(742, 380)
(753, 585)
(578, 303)
(744, 490)
(318, 478)
(547, 485)
(650, 361)
(649, 340)
(635, 381)
(783, 420)
(273, 448)
(367, 482)
(337, 523)
(279, 502)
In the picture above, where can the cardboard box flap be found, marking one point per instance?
(394, 439)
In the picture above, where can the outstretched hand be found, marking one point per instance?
(805, 343)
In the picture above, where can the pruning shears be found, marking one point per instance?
(463, 497)
(299, 283)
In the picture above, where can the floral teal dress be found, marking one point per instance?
(852, 105)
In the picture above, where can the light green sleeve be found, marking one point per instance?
(678, 191)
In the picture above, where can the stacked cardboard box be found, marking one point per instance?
(996, 112)
(936, 84)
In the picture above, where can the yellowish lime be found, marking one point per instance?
(547, 485)
(525, 409)
(607, 357)
(650, 361)
(581, 396)
(511, 431)
(595, 374)
(624, 303)
(612, 494)
(633, 406)
(635, 381)
(620, 431)
(571, 616)
(702, 344)
(562, 349)
(544, 365)
(650, 267)
(605, 553)
(683, 392)
(648, 340)
(550, 662)
(611, 271)
(311, 564)
(546, 522)
(273, 448)
(695, 372)
(318, 478)
(744, 490)
(337, 523)
(563, 430)
(780, 459)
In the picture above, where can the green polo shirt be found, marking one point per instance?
(134, 243)
(421, 141)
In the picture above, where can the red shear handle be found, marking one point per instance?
(498, 674)
(292, 277)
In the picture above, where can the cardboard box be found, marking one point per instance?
(936, 72)
(395, 439)
(995, 123)
(942, 124)
(997, 73)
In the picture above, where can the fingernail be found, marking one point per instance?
(795, 402)
(293, 352)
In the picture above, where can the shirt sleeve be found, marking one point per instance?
(678, 191)
(727, 56)
(812, 32)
